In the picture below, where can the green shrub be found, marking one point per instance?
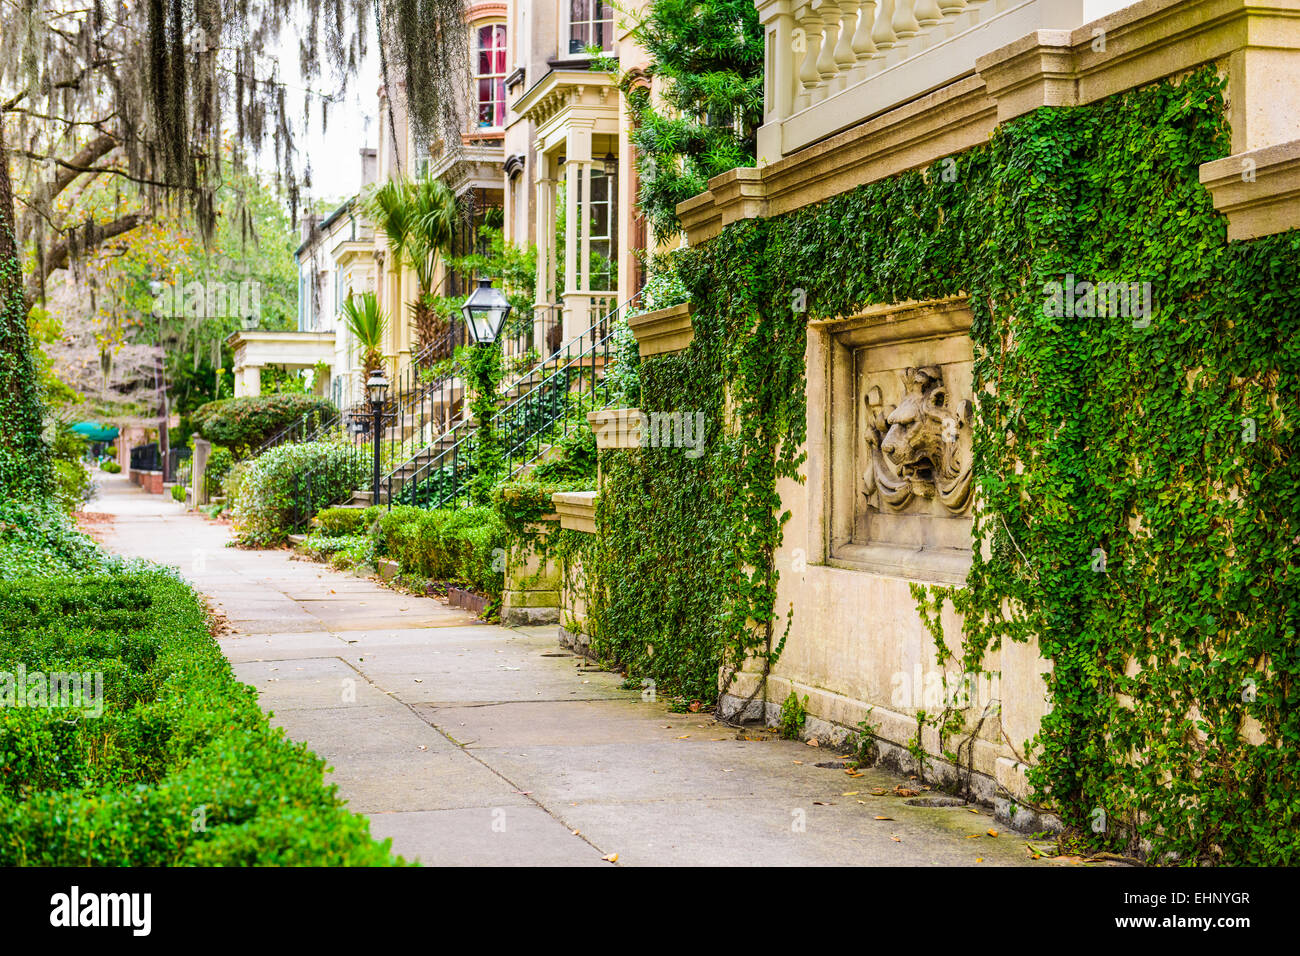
(40, 540)
(111, 467)
(111, 451)
(341, 520)
(464, 544)
(573, 458)
(179, 766)
(341, 550)
(220, 461)
(178, 492)
(73, 486)
(272, 490)
(474, 541)
(242, 424)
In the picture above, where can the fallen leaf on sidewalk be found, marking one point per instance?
(906, 792)
(822, 803)
(993, 832)
(612, 858)
(683, 736)
(423, 747)
(979, 859)
(850, 793)
(812, 742)
(896, 839)
(800, 762)
(884, 818)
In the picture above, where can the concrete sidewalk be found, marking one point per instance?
(469, 743)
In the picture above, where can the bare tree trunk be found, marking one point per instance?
(24, 457)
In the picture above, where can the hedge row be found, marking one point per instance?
(242, 424)
(181, 766)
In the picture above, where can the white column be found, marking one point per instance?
(584, 266)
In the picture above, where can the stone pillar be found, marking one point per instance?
(198, 487)
(248, 381)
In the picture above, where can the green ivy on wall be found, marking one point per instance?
(1139, 505)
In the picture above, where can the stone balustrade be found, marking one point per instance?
(832, 64)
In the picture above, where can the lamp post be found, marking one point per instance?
(376, 391)
(485, 313)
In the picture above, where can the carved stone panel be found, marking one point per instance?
(899, 436)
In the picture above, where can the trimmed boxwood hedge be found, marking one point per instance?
(460, 544)
(182, 767)
(243, 424)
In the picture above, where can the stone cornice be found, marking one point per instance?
(1259, 191)
(577, 510)
(618, 427)
(664, 331)
(1257, 42)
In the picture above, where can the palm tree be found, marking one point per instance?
(368, 324)
(419, 219)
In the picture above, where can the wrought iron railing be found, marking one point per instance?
(536, 415)
(330, 481)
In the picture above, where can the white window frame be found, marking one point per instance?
(567, 36)
(499, 78)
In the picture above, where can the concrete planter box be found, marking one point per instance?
(663, 331)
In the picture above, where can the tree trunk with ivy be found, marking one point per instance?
(24, 457)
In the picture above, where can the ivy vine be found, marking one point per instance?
(1167, 449)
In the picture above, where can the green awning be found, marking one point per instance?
(94, 431)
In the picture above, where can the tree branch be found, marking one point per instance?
(58, 255)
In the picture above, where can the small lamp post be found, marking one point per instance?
(376, 391)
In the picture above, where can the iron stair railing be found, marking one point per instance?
(541, 405)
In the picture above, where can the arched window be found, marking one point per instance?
(490, 75)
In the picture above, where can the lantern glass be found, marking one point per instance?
(485, 312)
(377, 386)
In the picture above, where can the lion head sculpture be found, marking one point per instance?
(919, 448)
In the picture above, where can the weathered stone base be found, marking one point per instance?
(988, 790)
(523, 616)
(576, 641)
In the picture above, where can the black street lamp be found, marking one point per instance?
(485, 312)
(376, 391)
